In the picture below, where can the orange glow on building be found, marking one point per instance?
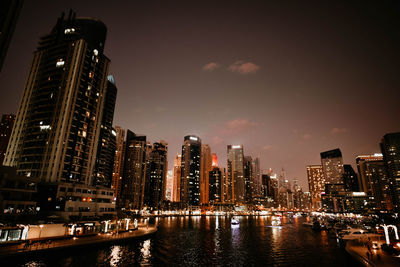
(214, 160)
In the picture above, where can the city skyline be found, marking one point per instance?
(285, 84)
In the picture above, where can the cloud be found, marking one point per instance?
(338, 130)
(244, 67)
(238, 125)
(210, 66)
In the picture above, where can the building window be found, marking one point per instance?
(60, 63)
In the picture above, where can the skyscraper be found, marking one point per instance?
(316, 184)
(332, 166)
(190, 171)
(205, 166)
(118, 161)
(350, 179)
(390, 146)
(236, 183)
(177, 178)
(248, 178)
(103, 171)
(256, 177)
(6, 125)
(156, 175)
(58, 124)
(360, 161)
(133, 178)
(375, 181)
(215, 180)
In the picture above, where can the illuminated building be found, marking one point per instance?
(190, 171)
(236, 183)
(58, 124)
(273, 187)
(133, 178)
(332, 166)
(103, 170)
(214, 160)
(390, 146)
(156, 175)
(265, 185)
(361, 160)
(205, 168)
(170, 185)
(378, 184)
(375, 181)
(177, 178)
(248, 178)
(316, 184)
(6, 125)
(118, 161)
(215, 180)
(256, 177)
(350, 179)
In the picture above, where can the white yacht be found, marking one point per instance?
(355, 233)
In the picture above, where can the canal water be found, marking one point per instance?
(210, 241)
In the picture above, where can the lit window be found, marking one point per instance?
(69, 31)
(60, 63)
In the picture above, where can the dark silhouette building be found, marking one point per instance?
(390, 147)
(190, 171)
(248, 178)
(103, 172)
(133, 178)
(156, 175)
(215, 186)
(350, 179)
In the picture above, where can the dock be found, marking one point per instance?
(49, 245)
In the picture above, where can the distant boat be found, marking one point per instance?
(234, 221)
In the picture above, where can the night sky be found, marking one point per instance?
(287, 79)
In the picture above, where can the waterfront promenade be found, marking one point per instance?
(376, 257)
(50, 245)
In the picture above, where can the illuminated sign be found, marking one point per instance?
(358, 194)
(378, 155)
(194, 138)
(236, 146)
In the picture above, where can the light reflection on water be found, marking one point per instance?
(115, 255)
(199, 240)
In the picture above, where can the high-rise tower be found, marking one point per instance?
(118, 161)
(156, 175)
(177, 178)
(390, 147)
(56, 133)
(316, 184)
(332, 166)
(133, 178)
(236, 182)
(190, 171)
(56, 136)
(205, 166)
